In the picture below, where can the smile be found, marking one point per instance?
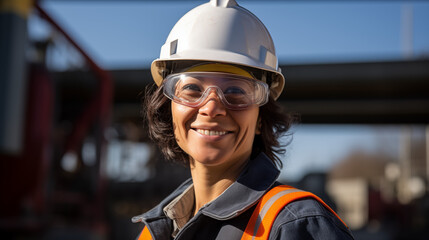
(210, 132)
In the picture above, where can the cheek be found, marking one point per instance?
(248, 121)
(181, 116)
(178, 115)
(252, 119)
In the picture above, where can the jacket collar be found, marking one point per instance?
(158, 212)
(257, 178)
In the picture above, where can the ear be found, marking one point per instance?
(258, 126)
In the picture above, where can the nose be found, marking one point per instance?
(212, 106)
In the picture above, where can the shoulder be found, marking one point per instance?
(308, 219)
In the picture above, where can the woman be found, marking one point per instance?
(214, 110)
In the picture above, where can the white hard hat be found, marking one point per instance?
(221, 32)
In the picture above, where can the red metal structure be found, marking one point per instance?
(24, 176)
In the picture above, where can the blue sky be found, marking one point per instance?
(129, 34)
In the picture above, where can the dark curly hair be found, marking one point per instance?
(157, 118)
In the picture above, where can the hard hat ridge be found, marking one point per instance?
(223, 3)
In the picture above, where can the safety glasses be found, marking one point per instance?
(236, 92)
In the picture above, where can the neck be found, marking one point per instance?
(211, 181)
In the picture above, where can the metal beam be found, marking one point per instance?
(367, 92)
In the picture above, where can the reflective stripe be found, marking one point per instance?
(259, 225)
(145, 235)
(265, 209)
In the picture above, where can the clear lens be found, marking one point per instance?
(236, 92)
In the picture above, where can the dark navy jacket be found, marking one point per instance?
(226, 217)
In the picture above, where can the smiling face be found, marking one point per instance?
(214, 135)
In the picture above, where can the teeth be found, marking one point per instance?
(211, 133)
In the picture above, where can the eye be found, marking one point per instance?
(191, 87)
(234, 90)
(190, 92)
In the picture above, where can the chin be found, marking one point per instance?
(210, 158)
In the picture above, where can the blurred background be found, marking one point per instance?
(75, 162)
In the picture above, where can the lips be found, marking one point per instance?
(211, 132)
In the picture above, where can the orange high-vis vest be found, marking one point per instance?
(259, 225)
(269, 206)
(145, 235)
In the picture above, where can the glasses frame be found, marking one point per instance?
(171, 80)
